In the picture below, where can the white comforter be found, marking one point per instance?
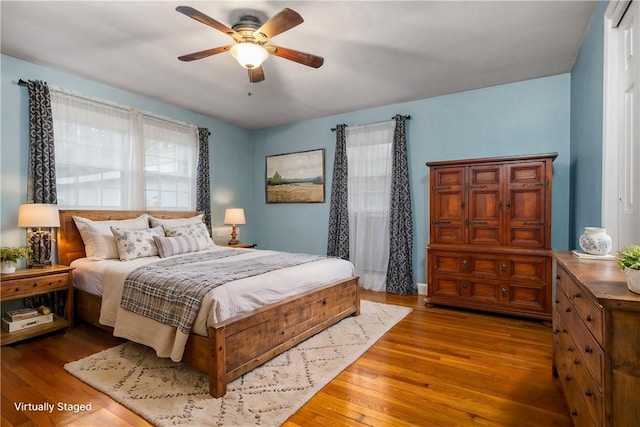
(107, 277)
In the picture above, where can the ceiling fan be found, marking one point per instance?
(250, 37)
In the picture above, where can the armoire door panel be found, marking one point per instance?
(448, 199)
(485, 205)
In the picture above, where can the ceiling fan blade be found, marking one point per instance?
(256, 75)
(204, 53)
(279, 23)
(207, 20)
(296, 56)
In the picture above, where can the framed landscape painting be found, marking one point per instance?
(295, 177)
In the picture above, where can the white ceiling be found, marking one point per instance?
(376, 52)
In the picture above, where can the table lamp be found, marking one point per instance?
(233, 217)
(39, 218)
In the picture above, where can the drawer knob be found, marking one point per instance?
(435, 267)
(568, 377)
(589, 318)
(464, 285)
(574, 412)
(577, 295)
(576, 361)
(17, 289)
(556, 331)
(504, 292)
(570, 348)
(588, 349)
(588, 393)
(503, 267)
(35, 285)
(465, 264)
(557, 301)
(568, 309)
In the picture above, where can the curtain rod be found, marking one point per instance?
(406, 117)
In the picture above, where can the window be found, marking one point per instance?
(369, 156)
(112, 157)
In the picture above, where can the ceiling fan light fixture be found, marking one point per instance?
(249, 55)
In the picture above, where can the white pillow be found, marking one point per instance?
(134, 244)
(169, 246)
(199, 231)
(175, 222)
(99, 242)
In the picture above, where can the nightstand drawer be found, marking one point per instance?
(18, 288)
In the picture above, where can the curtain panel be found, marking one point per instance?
(203, 183)
(400, 270)
(338, 239)
(41, 180)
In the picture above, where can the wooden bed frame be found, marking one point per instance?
(237, 345)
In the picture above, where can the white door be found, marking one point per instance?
(629, 130)
(621, 147)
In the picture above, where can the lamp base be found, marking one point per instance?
(234, 235)
(40, 242)
(39, 265)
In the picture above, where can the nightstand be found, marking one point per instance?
(242, 245)
(28, 282)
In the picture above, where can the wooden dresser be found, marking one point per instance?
(596, 342)
(490, 235)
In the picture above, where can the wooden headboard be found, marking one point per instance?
(70, 244)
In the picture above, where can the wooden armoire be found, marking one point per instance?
(490, 235)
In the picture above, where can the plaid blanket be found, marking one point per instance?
(170, 291)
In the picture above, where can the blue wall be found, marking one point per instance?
(229, 145)
(586, 129)
(520, 118)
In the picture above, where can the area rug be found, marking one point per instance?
(167, 393)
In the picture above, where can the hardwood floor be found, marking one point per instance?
(437, 367)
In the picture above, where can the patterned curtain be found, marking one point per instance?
(400, 270)
(41, 182)
(203, 185)
(338, 241)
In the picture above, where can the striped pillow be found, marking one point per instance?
(169, 246)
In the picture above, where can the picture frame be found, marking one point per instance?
(295, 177)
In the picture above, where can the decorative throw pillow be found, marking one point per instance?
(169, 246)
(175, 222)
(99, 242)
(134, 244)
(199, 231)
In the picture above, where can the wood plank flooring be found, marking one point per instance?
(437, 367)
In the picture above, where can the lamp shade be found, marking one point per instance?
(234, 216)
(249, 55)
(38, 215)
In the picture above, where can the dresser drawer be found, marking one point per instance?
(583, 341)
(586, 387)
(578, 408)
(18, 288)
(589, 311)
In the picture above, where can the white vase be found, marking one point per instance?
(595, 241)
(8, 267)
(633, 279)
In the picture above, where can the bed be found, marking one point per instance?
(233, 346)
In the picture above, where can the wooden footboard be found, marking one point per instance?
(242, 343)
(238, 345)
